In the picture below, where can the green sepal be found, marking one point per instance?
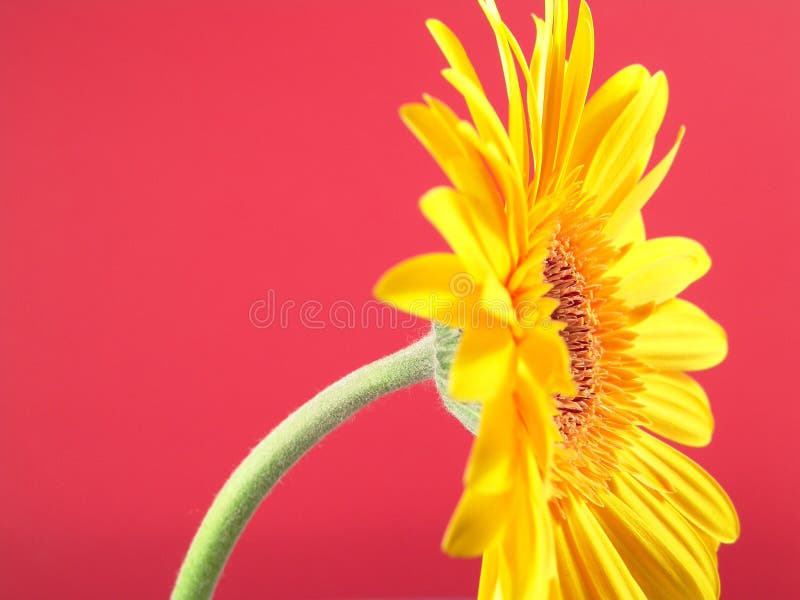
(446, 341)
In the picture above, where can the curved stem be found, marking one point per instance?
(297, 434)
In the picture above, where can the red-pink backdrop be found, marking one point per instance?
(164, 164)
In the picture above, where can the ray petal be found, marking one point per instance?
(697, 496)
(602, 110)
(678, 336)
(476, 522)
(556, 15)
(484, 363)
(601, 562)
(489, 125)
(659, 269)
(576, 85)
(517, 127)
(677, 408)
(661, 550)
(453, 50)
(475, 230)
(625, 150)
(422, 286)
(629, 208)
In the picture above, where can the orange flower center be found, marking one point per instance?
(570, 288)
(594, 423)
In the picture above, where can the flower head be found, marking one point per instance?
(570, 338)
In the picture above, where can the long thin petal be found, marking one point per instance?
(513, 192)
(546, 357)
(576, 85)
(537, 409)
(450, 142)
(678, 336)
(573, 580)
(489, 586)
(556, 16)
(542, 567)
(474, 230)
(697, 495)
(453, 50)
(659, 269)
(493, 466)
(460, 156)
(602, 110)
(629, 208)
(489, 125)
(601, 562)
(535, 99)
(667, 559)
(677, 408)
(517, 127)
(527, 560)
(423, 286)
(625, 150)
(653, 506)
(484, 363)
(476, 523)
(632, 232)
(437, 136)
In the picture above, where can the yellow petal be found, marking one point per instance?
(632, 232)
(712, 544)
(476, 523)
(660, 549)
(493, 465)
(573, 580)
(537, 409)
(511, 189)
(484, 365)
(535, 99)
(423, 286)
(576, 85)
(517, 128)
(556, 15)
(629, 208)
(678, 336)
(458, 154)
(625, 150)
(555, 592)
(632, 463)
(606, 571)
(542, 567)
(493, 309)
(653, 506)
(489, 586)
(545, 355)
(463, 77)
(659, 269)
(474, 230)
(697, 496)
(527, 562)
(483, 114)
(538, 65)
(453, 50)
(441, 109)
(436, 135)
(677, 408)
(602, 110)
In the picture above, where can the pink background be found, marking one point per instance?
(164, 164)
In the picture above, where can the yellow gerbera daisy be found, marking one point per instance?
(570, 340)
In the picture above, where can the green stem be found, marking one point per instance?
(285, 445)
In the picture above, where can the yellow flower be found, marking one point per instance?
(572, 340)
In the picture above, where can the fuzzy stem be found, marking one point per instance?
(285, 445)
